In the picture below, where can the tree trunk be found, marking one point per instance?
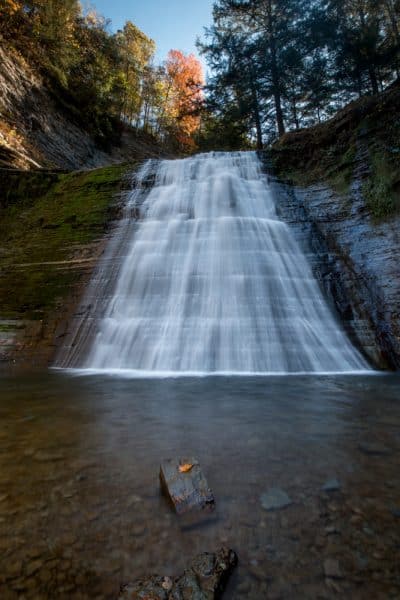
(294, 112)
(278, 105)
(256, 112)
(275, 73)
(359, 84)
(391, 12)
(371, 69)
(373, 79)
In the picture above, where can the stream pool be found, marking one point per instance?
(80, 506)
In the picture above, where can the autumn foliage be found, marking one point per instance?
(185, 81)
(108, 80)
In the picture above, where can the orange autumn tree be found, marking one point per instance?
(183, 96)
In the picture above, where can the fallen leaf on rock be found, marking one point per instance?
(185, 468)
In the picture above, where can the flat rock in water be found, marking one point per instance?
(374, 449)
(204, 579)
(274, 499)
(332, 485)
(332, 568)
(184, 483)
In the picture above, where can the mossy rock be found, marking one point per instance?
(382, 188)
(45, 218)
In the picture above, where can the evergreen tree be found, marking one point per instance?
(298, 60)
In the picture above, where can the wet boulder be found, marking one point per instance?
(153, 587)
(275, 499)
(204, 579)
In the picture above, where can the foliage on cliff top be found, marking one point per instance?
(278, 65)
(328, 152)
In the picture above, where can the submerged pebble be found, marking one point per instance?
(275, 499)
(332, 485)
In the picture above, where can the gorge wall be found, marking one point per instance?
(339, 187)
(59, 195)
(34, 131)
(53, 228)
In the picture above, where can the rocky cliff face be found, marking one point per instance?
(356, 263)
(53, 229)
(36, 132)
(339, 187)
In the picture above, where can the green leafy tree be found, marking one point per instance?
(137, 51)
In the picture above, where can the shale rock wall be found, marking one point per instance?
(354, 257)
(53, 229)
(34, 132)
(338, 184)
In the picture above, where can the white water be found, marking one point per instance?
(212, 281)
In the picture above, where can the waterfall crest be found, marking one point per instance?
(210, 280)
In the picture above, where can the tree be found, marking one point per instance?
(183, 95)
(235, 61)
(271, 23)
(137, 51)
(359, 48)
(297, 60)
(258, 38)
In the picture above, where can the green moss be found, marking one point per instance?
(333, 165)
(382, 189)
(10, 327)
(340, 177)
(364, 134)
(45, 220)
(24, 186)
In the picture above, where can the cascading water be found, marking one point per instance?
(210, 280)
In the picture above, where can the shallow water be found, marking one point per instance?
(81, 512)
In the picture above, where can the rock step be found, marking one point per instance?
(185, 485)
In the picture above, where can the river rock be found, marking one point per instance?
(185, 485)
(275, 499)
(332, 568)
(153, 587)
(332, 485)
(374, 449)
(204, 579)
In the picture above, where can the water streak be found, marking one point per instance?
(210, 280)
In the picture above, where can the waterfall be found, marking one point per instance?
(208, 279)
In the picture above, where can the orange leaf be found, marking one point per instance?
(185, 468)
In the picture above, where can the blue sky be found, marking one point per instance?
(170, 23)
